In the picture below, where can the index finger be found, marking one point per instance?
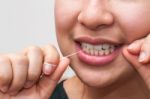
(51, 59)
(48, 83)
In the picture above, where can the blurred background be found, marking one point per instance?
(26, 22)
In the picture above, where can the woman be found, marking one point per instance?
(105, 66)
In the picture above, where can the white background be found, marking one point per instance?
(26, 22)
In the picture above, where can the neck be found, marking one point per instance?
(133, 88)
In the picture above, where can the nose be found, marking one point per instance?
(95, 16)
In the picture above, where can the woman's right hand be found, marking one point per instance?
(20, 74)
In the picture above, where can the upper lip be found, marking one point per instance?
(98, 40)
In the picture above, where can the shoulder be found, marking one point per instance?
(59, 92)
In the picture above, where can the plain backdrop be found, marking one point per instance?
(26, 22)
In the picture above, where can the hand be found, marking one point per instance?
(138, 54)
(20, 73)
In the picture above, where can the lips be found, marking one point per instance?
(97, 51)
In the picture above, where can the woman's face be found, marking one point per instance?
(99, 29)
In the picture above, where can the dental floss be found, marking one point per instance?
(72, 54)
(51, 65)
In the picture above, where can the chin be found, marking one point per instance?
(104, 77)
(98, 80)
(101, 81)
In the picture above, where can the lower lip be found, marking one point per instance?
(96, 60)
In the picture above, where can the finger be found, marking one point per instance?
(51, 56)
(48, 83)
(5, 73)
(35, 57)
(143, 69)
(145, 51)
(20, 68)
(135, 47)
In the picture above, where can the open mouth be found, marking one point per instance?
(97, 52)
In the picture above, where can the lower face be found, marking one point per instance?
(100, 61)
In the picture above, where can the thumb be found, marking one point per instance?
(142, 69)
(48, 83)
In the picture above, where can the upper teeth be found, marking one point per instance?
(101, 49)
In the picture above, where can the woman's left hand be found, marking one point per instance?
(138, 54)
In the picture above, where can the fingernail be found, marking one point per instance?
(48, 68)
(142, 56)
(132, 46)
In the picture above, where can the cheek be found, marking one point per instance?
(134, 20)
(66, 14)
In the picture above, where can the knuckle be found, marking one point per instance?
(4, 59)
(34, 48)
(51, 47)
(20, 59)
(51, 53)
(52, 60)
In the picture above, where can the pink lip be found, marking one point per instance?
(96, 60)
(97, 40)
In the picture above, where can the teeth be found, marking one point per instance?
(101, 53)
(98, 50)
(106, 52)
(96, 53)
(83, 45)
(98, 47)
(91, 51)
(106, 46)
(89, 46)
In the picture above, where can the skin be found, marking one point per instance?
(118, 20)
(20, 73)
